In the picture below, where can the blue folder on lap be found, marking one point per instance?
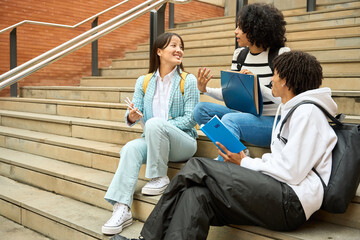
(241, 92)
(218, 132)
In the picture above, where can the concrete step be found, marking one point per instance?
(90, 129)
(340, 18)
(322, 6)
(107, 82)
(76, 182)
(335, 83)
(344, 9)
(81, 109)
(340, 68)
(89, 185)
(89, 94)
(350, 30)
(14, 231)
(220, 56)
(92, 154)
(226, 46)
(348, 101)
(71, 128)
(55, 216)
(331, 11)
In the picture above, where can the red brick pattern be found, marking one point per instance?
(33, 40)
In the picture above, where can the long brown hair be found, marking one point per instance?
(162, 41)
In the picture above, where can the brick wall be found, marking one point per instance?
(33, 40)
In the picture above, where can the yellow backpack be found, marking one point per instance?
(149, 75)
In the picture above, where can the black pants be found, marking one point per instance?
(207, 192)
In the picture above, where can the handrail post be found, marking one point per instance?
(161, 20)
(310, 5)
(94, 52)
(171, 15)
(239, 5)
(13, 59)
(157, 25)
(153, 30)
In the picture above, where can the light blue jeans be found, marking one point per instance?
(162, 143)
(245, 126)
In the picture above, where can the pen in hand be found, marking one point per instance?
(129, 103)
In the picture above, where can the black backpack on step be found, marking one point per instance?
(345, 172)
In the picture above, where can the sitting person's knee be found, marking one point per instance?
(154, 124)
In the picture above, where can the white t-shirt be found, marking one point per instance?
(161, 98)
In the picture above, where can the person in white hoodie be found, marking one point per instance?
(280, 190)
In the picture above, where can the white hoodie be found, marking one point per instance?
(310, 143)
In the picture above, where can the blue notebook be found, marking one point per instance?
(241, 92)
(217, 132)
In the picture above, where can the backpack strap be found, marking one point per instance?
(273, 52)
(241, 57)
(146, 81)
(182, 81)
(332, 118)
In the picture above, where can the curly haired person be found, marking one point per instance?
(261, 33)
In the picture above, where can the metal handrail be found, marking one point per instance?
(78, 42)
(71, 42)
(62, 25)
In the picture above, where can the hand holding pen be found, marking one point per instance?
(134, 113)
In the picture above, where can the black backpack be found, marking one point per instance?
(345, 171)
(273, 52)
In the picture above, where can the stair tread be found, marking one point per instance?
(131, 89)
(86, 218)
(80, 87)
(204, 22)
(89, 177)
(67, 102)
(70, 142)
(311, 230)
(15, 231)
(292, 26)
(72, 120)
(229, 54)
(108, 149)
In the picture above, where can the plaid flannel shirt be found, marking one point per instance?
(181, 106)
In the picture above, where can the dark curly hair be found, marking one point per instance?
(301, 70)
(264, 25)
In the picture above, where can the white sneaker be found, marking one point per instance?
(156, 186)
(120, 219)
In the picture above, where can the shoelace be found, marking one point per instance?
(116, 208)
(156, 180)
